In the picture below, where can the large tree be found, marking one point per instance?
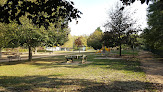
(153, 34)
(56, 13)
(40, 12)
(119, 26)
(94, 40)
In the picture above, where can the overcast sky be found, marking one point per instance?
(95, 15)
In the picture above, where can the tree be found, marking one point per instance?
(109, 40)
(98, 29)
(119, 27)
(153, 35)
(94, 40)
(40, 12)
(2, 37)
(78, 42)
(57, 35)
(133, 41)
(69, 43)
(128, 2)
(31, 38)
(7, 33)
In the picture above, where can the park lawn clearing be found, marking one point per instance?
(51, 74)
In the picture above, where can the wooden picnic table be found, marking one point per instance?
(76, 56)
(79, 56)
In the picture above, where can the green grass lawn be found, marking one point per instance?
(126, 52)
(54, 75)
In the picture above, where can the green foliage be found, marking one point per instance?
(133, 41)
(69, 43)
(40, 12)
(94, 40)
(8, 35)
(109, 39)
(23, 50)
(57, 36)
(153, 35)
(98, 29)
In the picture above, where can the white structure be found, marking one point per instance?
(53, 48)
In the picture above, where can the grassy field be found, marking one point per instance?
(53, 74)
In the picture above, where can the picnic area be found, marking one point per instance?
(81, 45)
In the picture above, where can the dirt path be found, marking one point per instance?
(153, 69)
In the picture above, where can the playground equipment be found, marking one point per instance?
(103, 49)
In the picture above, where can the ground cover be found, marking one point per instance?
(52, 74)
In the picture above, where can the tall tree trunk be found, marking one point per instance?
(120, 50)
(0, 52)
(30, 53)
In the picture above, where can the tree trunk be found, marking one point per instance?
(120, 50)
(0, 52)
(30, 53)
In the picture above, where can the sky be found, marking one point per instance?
(95, 14)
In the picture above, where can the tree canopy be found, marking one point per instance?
(128, 2)
(119, 27)
(94, 40)
(40, 12)
(153, 34)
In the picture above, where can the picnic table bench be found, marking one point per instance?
(14, 57)
(70, 58)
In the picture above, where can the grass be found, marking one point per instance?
(126, 52)
(52, 74)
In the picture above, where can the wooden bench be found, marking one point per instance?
(14, 57)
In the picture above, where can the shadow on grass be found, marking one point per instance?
(121, 86)
(13, 63)
(34, 83)
(52, 83)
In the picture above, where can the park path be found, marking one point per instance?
(153, 68)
